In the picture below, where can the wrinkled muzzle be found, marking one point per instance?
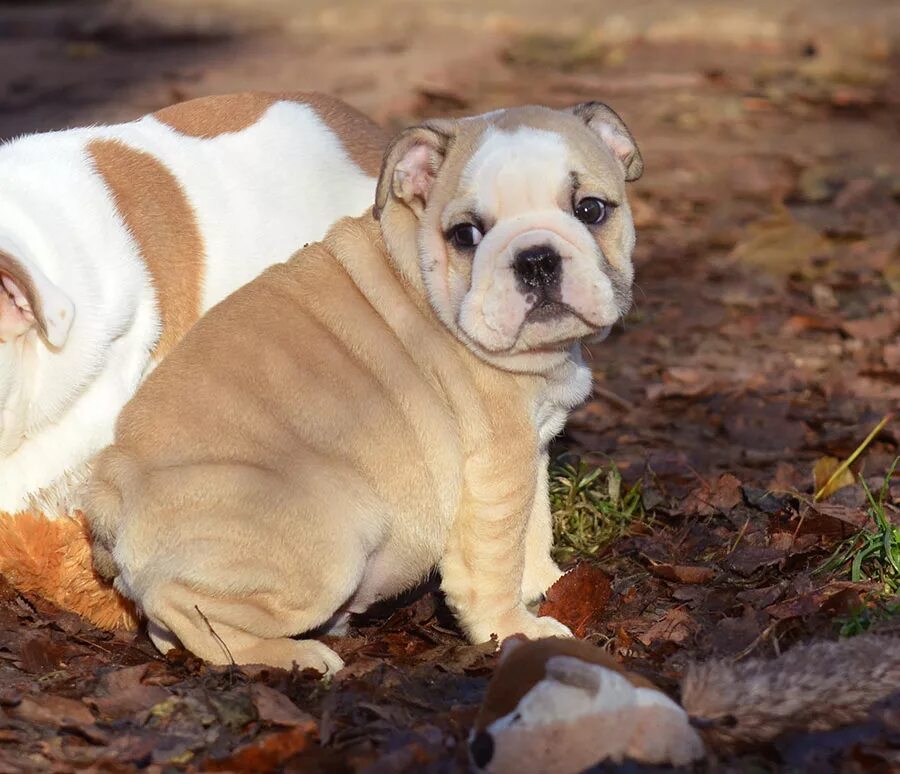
(537, 280)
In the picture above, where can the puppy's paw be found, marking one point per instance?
(538, 579)
(316, 655)
(520, 621)
(287, 653)
(545, 626)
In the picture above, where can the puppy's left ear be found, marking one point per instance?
(612, 130)
(411, 164)
(28, 299)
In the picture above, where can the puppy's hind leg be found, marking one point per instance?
(237, 630)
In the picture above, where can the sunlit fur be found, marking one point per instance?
(331, 434)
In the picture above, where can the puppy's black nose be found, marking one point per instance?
(482, 749)
(538, 267)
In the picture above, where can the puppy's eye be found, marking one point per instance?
(591, 210)
(466, 236)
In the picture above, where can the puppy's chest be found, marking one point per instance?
(556, 399)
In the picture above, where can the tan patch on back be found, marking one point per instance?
(208, 117)
(162, 222)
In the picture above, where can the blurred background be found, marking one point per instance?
(765, 328)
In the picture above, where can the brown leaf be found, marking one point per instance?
(812, 602)
(730, 636)
(855, 517)
(780, 244)
(682, 381)
(764, 596)
(722, 496)
(129, 701)
(726, 493)
(125, 693)
(799, 323)
(123, 679)
(49, 710)
(746, 560)
(675, 626)
(274, 707)
(40, 654)
(872, 328)
(579, 598)
(683, 573)
(891, 356)
(267, 753)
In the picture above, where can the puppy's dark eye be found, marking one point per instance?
(591, 210)
(465, 236)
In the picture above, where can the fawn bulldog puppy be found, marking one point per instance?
(380, 405)
(113, 241)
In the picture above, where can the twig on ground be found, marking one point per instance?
(617, 400)
(215, 634)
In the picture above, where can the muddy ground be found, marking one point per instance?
(765, 337)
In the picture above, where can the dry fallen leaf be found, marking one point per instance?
(683, 573)
(823, 470)
(878, 328)
(722, 496)
(780, 244)
(579, 598)
(855, 517)
(813, 601)
(53, 711)
(267, 753)
(274, 707)
(675, 626)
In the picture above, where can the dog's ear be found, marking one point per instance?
(29, 299)
(411, 164)
(612, 130)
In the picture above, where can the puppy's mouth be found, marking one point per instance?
(547, 309)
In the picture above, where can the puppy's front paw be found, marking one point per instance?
(538, 580)
(520, 621)
(545, 626)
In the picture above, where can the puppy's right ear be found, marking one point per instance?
(29, 299)
(411, 164)
(612, 130)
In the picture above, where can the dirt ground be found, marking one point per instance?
(765, 337)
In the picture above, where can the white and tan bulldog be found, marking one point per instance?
(113, 241)
(380, 405)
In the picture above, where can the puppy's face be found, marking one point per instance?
(525, 235)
